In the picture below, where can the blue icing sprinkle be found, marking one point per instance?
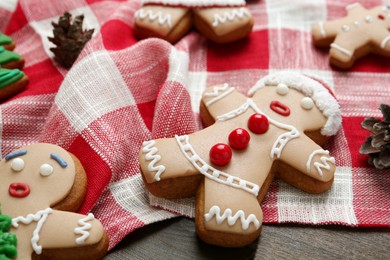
(60, 161)
(15, 154)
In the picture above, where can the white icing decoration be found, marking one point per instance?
(159, 16)
(195, 3)
(324, 161)
(212, 173)
(230, 16)
(385, 41)
(322, 29)
(345, 28)
(351, 6)
(39, 217)
(151, 155)
(321, 96)
(356, 24)
(217, 93)
(46, 169)
(232, 219)
(17, 164)
(282, 139)
(369, 19)
(282, 89)
(82, 230)
(307, 103)
(341, 49)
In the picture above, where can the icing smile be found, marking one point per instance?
(280, 108)
(19, 190)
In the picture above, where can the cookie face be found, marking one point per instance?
(270, 126)
(361, 32)
(220, 21)
(35, 179)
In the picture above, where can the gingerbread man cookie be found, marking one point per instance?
(40, 184)
(7, 42)
(221, 21)
(361, 32)
(230, 164)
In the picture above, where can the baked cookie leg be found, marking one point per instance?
(168, 23)
(227, 216)
(224, 24)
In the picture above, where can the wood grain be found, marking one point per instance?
(176, 239)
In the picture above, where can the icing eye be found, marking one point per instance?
(46, 169)
(282, 89)
(307, 103)
(17, 164)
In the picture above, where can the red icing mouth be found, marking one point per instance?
(19, 190)
(280, 108)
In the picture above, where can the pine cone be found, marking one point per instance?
(377, 146)
(69, 38)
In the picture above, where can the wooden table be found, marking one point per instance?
(176, 239)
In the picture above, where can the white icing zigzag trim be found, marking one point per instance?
(151, 155)
(232, 219)
(230, 16)
(196, 3)
(282, 140)
(216, 93)
(82, 230)
(324, 101)
(385, 41)
(39, 217)
(161, 18)
(324, 161)
(212, 173)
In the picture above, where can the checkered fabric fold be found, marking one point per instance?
(121, 92)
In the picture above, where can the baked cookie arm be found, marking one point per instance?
(306, 165)
(324, 33)
(381, 40)
(220, 99)
(66, 229)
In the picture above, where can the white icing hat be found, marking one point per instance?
(320, 94)
(196, 3)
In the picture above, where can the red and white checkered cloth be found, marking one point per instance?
(121, 92)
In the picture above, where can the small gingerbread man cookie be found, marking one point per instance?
(361, 32)
(40, 184)
(230, 164)
(221, 21)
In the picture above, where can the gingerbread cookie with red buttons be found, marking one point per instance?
(230, 164)
(361, 32)
(221, 21)
(41, 186)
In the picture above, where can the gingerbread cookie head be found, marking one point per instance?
(220, 21)
(38, 182)
(230, 164)
(362, 31)
(298, 100)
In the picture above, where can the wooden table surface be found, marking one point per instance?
(176, 239)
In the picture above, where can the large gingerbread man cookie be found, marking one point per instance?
(219, 20)
(40, 184)
(230, 164)
(361, 32)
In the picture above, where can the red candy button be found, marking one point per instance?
(220, 154)
(258, 123)
(239, 139)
